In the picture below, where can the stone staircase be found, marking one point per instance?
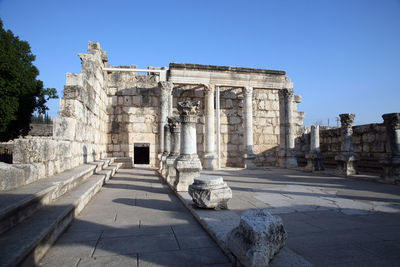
(32, 217)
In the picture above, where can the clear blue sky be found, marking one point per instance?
(343, 56)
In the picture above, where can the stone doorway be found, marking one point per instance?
(141, 153)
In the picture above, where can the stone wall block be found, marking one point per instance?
(64, 128)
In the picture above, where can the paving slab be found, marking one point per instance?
(135, 219)
(331, 221)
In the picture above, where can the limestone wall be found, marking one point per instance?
(79, 133)
(266, 126)
(368, 142)
(133, 113)
(83, 118)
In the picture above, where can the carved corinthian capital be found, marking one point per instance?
(248, 91)
(347, 119)
(174, 123)
(188, 108)
(288, 93)
(209, 89)
(165, 87)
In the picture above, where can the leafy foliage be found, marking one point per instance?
(20, 92)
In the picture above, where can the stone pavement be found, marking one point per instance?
(331, 221)
(135, 220)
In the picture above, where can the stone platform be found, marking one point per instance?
(331, 221)
(135, 220)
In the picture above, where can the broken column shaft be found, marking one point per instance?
(391, 163)
(314, 157)
(175, 128)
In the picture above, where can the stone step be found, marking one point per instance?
(26, 243)
(18, 204)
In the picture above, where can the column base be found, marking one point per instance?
(391, 169)
(164, 167)
(249, 161)
(291, 160)
(188, 167)
(171, 171)
(282, 158)
(210, 161)
(346, 164)
(315, 162)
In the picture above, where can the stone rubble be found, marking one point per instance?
(257, 239)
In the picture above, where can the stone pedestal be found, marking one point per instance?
(210, 192)
(346, 159)
(391, 163)
(257, 239)
(314, 157)
(175, 127)
(248, 157)
(210, 157)
(188, 164)
(346, 164)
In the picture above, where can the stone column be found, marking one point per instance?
(188, 164)
(167, 150)
(210, 158)
(391, 163)
(248, 157)
(291, 161)
(175, 127)
(314, 157)
(346, 160)
(166, 90)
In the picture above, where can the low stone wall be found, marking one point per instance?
(37, 158)
(368, 142)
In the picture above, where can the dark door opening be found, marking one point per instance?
(141, 153)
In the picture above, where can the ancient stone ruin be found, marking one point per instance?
(179, 120)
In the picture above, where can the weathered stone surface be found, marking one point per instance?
(258, 238)
(16, 175)
(210, 192)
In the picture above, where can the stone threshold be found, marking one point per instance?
(218, 223)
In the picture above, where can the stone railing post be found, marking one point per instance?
(314, 157)
(248, 157)
(175, 128)
(391, 163)
(166, 90)
(188, 164)
(210, 157)
(346, 159)
(291, 161)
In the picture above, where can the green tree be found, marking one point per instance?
(20, 92)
